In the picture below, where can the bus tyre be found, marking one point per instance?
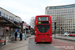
(4, 42)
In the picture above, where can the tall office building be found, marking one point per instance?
(63, 15)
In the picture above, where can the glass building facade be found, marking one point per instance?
(64, 16)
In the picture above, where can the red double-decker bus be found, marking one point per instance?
(43, 28)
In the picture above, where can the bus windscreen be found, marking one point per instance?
(43, 28)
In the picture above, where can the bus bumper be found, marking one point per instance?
(47, 40)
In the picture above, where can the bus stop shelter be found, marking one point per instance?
(7, 23)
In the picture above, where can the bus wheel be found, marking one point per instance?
(4, 42)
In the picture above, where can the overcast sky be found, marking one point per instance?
(29, 8)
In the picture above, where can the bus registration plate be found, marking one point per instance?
(43, 41)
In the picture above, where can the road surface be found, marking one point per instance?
(56, 45)
(40, 46)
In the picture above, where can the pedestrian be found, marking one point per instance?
(15, 36)
(20, 36)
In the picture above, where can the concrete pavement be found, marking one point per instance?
(16, 45)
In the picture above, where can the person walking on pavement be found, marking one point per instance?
(21, 36)
(15, 36)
